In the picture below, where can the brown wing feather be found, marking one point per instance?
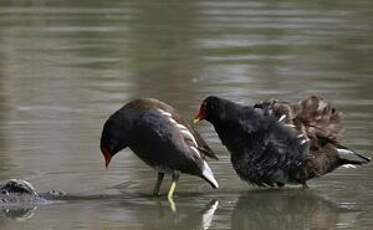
(320, 118)
(202, 145)
(319, 122)
(313, 117)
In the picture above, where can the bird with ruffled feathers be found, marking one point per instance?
(277, 143)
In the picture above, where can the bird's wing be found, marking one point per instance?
(190, 134)
(320, 118)
(313, 118)
(202, 145)
(280, 153)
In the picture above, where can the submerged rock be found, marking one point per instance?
(18, 198)
(17, 186)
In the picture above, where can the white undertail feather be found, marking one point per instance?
(349, 154)
(349, 166)
(344, 152)
(207, 173)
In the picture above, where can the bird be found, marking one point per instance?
(274, 143)
(161, 138)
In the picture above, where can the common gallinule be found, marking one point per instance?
(159, 136)
(278, 143)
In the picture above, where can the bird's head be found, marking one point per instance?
(114, 136)
(212, 108)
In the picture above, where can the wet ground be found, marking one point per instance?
(66, 65)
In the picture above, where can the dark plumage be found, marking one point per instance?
(276, 143)
(158, 135)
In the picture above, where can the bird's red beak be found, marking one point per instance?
(107, 156)
(201, 115)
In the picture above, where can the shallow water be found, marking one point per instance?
(66, 65)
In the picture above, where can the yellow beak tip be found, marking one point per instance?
(196, 120)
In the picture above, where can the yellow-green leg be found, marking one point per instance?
(175, 178)
(157, 186)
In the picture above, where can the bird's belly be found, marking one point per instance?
(163, 169)
(156, 165)
(153, 159)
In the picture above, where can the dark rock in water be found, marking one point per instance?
(18, 199)
(16, 186)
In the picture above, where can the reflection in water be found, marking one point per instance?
(3, 135)
(66, 65)
(196, 219)
(163, 52)
(19, 214)
(288, 210)
(151, 212)
(18, 199)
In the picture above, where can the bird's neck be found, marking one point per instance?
(237, 128)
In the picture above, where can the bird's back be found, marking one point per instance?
(313, 117)
(162, 139)
(263, 151)
(146, 104)
(318, 123)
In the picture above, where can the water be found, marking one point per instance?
(66, 65)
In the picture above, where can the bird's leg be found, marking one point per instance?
(280, 185)
(158, 184)
(305, 186)
(175, 178)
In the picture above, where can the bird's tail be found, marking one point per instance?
(208, 175)
(349, 158)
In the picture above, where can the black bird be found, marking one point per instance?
(158, 135)
(278, 143)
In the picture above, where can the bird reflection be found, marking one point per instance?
(18, 213)
(193, 219)
(288, 210)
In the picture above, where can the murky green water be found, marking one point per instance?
(66, 65)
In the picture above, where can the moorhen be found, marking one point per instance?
(159, 136)
(278, 143)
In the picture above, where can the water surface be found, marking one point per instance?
(66, 65)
